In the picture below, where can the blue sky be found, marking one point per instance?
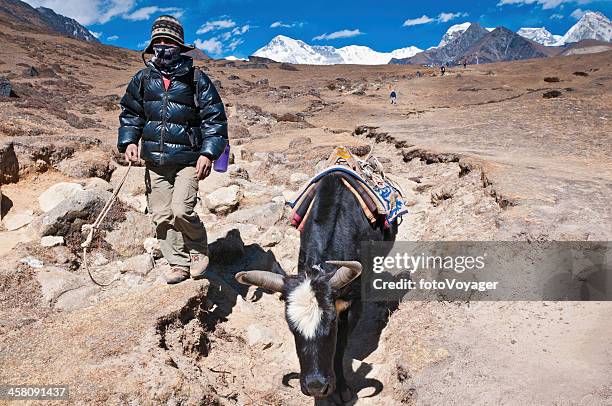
(240, 27)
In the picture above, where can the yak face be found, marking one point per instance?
(311, 315)
(310, 310)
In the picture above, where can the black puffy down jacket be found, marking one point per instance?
(173, 130)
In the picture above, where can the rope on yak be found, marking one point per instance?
(96, 225)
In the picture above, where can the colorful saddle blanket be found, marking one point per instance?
(378, 196)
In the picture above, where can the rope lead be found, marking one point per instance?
(96, 225)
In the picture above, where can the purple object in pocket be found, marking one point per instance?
(223, 161)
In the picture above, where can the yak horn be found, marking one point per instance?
(348, 271)
(263, 279)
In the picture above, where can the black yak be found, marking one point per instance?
(323, 301)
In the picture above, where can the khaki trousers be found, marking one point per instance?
(171, 198)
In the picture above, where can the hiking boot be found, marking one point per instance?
(199, 263)
(177, 274)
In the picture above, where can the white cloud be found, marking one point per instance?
(441, 18)
(216, 25)
(237, 31)
(446, 17)
(212, 46)
(87, 12)
(114, 8)
(96, 34)
(232, 45)
(142, 44)
(578, 13)
(112, 38)
(546, 4)
(418, 21)
(339, 34)
(557, 16)
(280, 24)
(145, 13)
(222, 42)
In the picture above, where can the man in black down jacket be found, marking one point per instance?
(178, 117)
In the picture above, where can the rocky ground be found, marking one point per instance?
(517, 151)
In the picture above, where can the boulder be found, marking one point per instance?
(140, 264)
(290, 117)
(135, 182)
(9, 165)
(128, 237)
(77, 298)
(32, 262)
(224, 200)
(298, 178)
(57, 193)
(263, 216)
(151, 247)
(216, 180)
(51, 241)
(138, 203)
(551, 94)
(55, 282)
(90, 163)
(237, 171)
(6, 89)
(14, 221)
(71, 213)
(30, 72)
(98, 184)
(133, 191)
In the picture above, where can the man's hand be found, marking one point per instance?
(203, 167)
(131, 153)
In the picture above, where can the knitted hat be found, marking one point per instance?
(168, 27)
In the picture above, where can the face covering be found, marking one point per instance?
(166, 55)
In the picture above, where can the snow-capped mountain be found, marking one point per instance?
(592, 25)
(539, 35)
(405, 52)
(453, 33)
(285, 49)
(361, 55)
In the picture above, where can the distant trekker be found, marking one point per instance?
(464, 63)
(442, 70)
(176, 114)
(393, 96)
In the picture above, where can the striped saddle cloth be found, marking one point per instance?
(378, 196)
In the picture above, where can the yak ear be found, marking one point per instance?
(263, 279)
(348, 271)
